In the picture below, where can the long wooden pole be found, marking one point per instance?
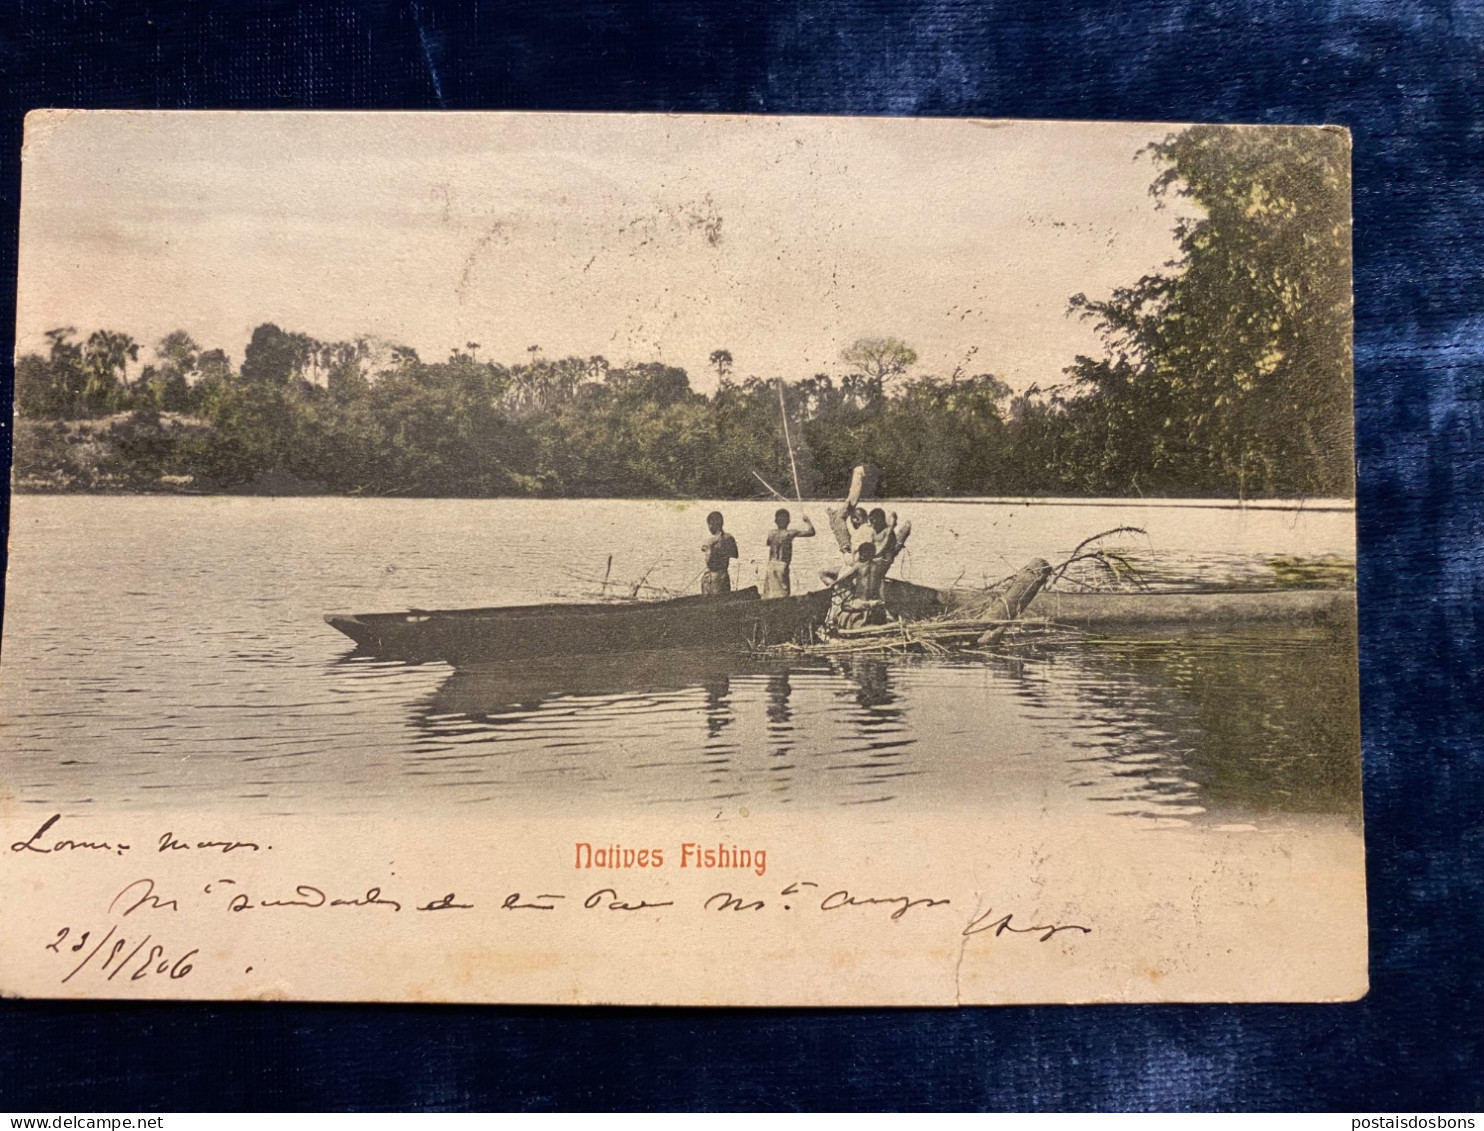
(771, 489)
(794, 467)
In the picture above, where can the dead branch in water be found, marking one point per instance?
(1101, 556)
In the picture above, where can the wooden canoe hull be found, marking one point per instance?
(465, 637)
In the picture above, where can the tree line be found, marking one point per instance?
(1225, 374)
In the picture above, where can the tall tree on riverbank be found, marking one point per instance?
(1230, 373)
(168, 383)
(879, 359)
(76, 379)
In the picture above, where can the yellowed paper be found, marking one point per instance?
(491, 374)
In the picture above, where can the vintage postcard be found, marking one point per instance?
(695, 560)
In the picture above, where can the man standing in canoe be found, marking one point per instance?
(718, 550)
(781, 552)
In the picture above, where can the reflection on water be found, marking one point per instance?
(1259, 721)
(170, 652)
(1171, 730)
(666, 727)
(1263, 722)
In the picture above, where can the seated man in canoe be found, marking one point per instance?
(781, 553)
(889, 536)
(718, 551)
(856, 592)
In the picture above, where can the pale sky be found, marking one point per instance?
(632, 236)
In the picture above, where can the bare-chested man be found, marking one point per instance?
(856, 592)
(888, 535)
(776, 581)
(718, 550)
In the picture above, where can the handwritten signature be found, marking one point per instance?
(982, 923)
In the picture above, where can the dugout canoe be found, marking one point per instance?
(464, 637)
(741, 620)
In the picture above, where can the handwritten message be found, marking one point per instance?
(142, 931)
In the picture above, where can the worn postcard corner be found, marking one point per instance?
(681, 560)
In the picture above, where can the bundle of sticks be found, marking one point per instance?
(987, 620)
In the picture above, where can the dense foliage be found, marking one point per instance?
(1228, 374)
(1231, 374)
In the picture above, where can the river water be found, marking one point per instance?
(169, 652)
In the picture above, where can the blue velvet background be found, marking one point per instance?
(1403, 75)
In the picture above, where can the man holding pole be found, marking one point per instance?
(776, 582)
